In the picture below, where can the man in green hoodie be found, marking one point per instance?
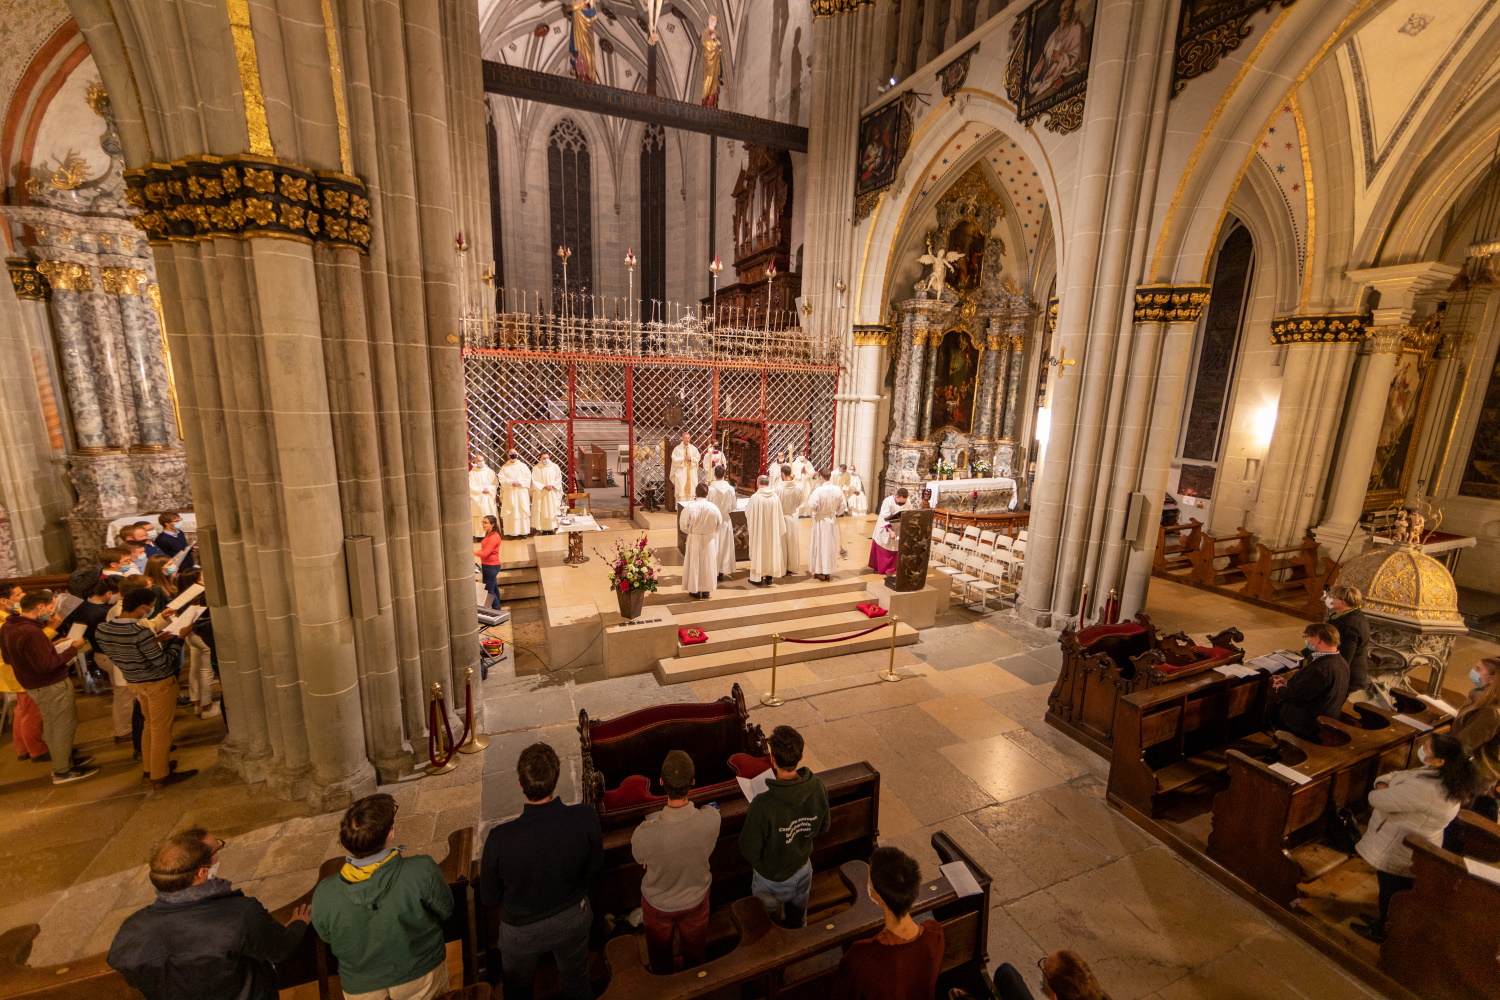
(777, 838)
(382, 915)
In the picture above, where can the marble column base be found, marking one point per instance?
(162, 480)
(1340, 542)
(902, 465)
(117, 484)
(8, 563)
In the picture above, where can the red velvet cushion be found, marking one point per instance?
(633, 791)
(633, 722)
(871, 610)
(691, 636)
(1094, 633)
(1212, 652)
(746, 766)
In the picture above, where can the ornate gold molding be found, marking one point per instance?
(1052, 305)
(64, 275)
(871, 335)
(1205, 38)
(1389, 339)
(248, 197)
(828, 8)
(1170, 303)
(336, 74)
(255, 99)
(1331, 329)
(122, 280)
(26, 280)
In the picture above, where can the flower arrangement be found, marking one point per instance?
(632, 566)
(944, 469)
(980, 468)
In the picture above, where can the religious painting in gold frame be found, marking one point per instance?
(1401, 429)
(1481, 475)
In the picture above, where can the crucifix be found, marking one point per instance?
(1057, 362)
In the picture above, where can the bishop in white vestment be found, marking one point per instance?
(887, 537)
(826, 504)
(684, 470)
(482, 484)
(515, 497)
(767, 525)
(722, 495)
(699, 519)
(807, 478)
(713, 459)
(546, 494)
(859, 503)
(793, 500)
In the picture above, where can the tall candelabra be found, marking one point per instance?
(630, 284)
(770, 277)
(563, 253)
(714, 267)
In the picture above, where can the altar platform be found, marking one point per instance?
(583, 625)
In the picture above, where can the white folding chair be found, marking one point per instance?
(986, 543)
(1003, 543)
(990, 582)
(1022, 536)
(966, 575)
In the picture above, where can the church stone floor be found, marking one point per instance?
(960, 745)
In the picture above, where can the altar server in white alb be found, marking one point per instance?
(807, 478)
(546, 494)
(515, 497)
(713, 459)
(793, 500)
(826, 504)
(887, 537)
(767, 525)
(684, 471)
(859, 504)
(699, 519)
(721, 494)
(482, 484)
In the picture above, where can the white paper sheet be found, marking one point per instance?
(187, 595)
(183, 620)
(179, 557)
(66, 603)
(1414, 723)
(754, 786)
(958, 875)
(1439, 704)
(1287, 772)
(76, 631)
(1482, 870)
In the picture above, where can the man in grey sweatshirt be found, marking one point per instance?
(674, 845)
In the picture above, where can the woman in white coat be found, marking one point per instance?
(1420, 802)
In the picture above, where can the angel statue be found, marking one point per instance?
(939, 264)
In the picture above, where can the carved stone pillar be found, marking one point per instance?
(928, 382)
(1016, 345)
(143, 348)
(82, 358)
(904, 453)
(988, 390)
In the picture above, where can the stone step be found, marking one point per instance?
(738, 637)
(700, 615)
(734, 597)
(521, 574)
(519, 591)
(680, 669)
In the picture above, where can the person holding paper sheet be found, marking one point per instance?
(1345, 614)
(28, 719)
(42, 669)
(1317, 689)
(160, 571)
(1477, 727)
(130, 640)
(173, 542)
(673, 845)
(780, 826)
(904, 959)
(1420, 802)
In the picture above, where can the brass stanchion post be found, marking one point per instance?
(890, 668)
(435, 744)
(770, 700)
(476, 741)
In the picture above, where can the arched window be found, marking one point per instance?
(571, 194)
(653, 287)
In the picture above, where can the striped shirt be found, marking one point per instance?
(135, 650)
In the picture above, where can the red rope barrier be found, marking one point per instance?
(839, 638)
(433, 714)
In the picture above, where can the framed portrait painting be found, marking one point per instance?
(883, 137)
(1048, 71)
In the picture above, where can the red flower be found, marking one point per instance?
(624, 585)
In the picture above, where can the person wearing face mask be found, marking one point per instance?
(171, 540)
(28, 720)
(887, 537)
(1420, 802)
(1344, 613)
(1317, 689)
(904, 959)
(151, 670)
(26, 639)
(1477, 727)
(515, 496)
(202, 937)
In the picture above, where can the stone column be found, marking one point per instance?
(147, 374)
(71, 283)
(989, 393)
(870, 363)
(928, 382)
(1398, 285)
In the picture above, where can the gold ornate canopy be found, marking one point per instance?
(1401, 583)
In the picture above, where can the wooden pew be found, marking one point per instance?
(1268, 829)
(1175, 545)
(1103, 663)
(311, 963)
(1299, 568)
(1442, 941)
(766, 960)
(854, 809)
(1238, 548)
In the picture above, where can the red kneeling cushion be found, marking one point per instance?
(691, 636)
(1094, 633)
(633, 791)
(871, 610)
(1212, 652)
(746, 766)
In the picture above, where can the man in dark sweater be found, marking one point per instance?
(151, 671)
(536, 869)
(1346, 615)
(43, 671)
(202, 939)
(780, 826)
(904, 959)
(1317, 689)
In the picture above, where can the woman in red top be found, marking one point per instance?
(488, 551)
(902, 961)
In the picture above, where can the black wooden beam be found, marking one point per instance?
(547, 88)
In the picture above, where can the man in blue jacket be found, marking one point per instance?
(382, 914)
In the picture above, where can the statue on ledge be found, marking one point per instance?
(581, 39)
(713, 65)
(938, 264)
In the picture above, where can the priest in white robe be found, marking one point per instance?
(793, 500)
(515, 497)
(546, 494)
(767, 526)
(773, 468)
(713, 459)
(859, 503)
(722, 495)
(482, 485)
(826, 504)
(684, 471)
(840, 477)
(700, 520)
(887, 537)
(805, 474)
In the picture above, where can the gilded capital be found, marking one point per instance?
(1170, 303)
(828, 8)
(122, 280)
(1387, 339)
(64, 275)
(871, 335)
(1052, 315)
(26, 280)
(1342, 328)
